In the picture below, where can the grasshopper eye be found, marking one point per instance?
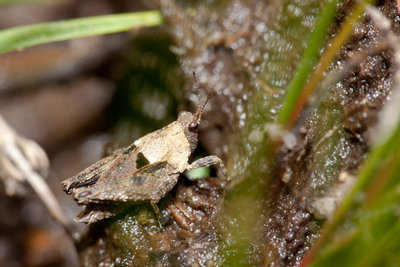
(193, 126)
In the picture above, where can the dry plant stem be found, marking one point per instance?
(383, 129)
(336, 75)
(37, 183)
(390, 114)
(389, 117)
(340, 38)
(40, 187)
(381, 180)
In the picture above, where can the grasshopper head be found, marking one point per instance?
(190, 122)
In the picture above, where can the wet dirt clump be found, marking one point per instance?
(188, 236)
(332, 141)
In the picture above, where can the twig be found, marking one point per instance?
(22, 160)
(389, 116)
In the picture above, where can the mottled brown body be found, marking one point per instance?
(145, 171)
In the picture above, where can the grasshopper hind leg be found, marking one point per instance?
(162, 189)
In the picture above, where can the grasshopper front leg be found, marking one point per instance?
(208, 161)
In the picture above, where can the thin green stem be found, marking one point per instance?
(309, 59)
(16, 2)
(385, 243)
(374, 162)
(297, 96)
(41, 33)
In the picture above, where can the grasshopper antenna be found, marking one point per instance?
(196, 87)
(200, 108)
(199, 113)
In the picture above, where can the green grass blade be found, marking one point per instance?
(309, 59)
(379, 155)
(41, 33)
(298, 95)
(16, 2)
